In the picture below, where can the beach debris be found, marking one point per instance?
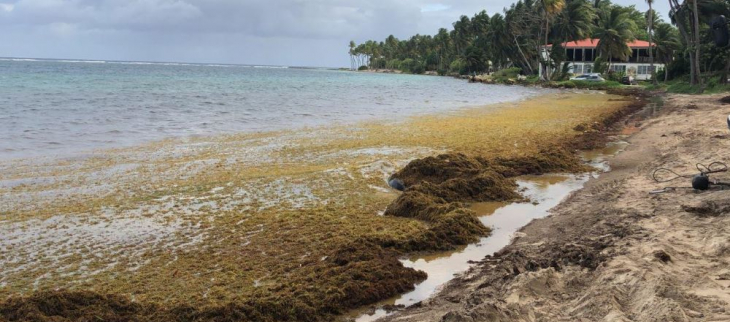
(454, 316)
(662, 256)
(397, 184)
(708, 209)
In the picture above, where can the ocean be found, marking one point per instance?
(58, 108)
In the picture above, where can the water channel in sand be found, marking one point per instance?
(544, 193)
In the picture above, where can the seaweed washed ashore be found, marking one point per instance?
(270, 226)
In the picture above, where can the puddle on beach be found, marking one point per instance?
(544, 193)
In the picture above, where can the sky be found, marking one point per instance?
(270, 32)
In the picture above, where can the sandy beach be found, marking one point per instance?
(615, 251)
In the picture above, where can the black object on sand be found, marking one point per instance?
(701, 182)
(396, 184)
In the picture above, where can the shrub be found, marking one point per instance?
(393, 64)
(615, 76)
(458, 66)
(511, 72)
(362, 67)
(412, 66)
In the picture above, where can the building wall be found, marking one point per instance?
(641, 71)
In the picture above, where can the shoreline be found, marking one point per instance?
(543, 192)
(385, 261)
(612, 250)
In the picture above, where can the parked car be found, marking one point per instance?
(629, 80)
(589, 78)
(580, 77)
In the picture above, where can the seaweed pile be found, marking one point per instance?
(360, 273)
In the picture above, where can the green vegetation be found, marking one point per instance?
(485, 44)
(682, 86)
(511, 76)
(514, 39)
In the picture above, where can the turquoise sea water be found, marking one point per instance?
(58, 108)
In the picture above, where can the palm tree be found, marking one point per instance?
(651, 47)
(352, 54)
(684, 17)
(614, 31)
(443, 42)
(667, 42)
(499, 42)
(461, 35)
(696, 24)
(551, 8)
(575, 22)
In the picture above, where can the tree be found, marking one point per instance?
(575, 22)
(499, 42)
(518, 38)
(352, 55)
(551, 8)
(462, 34)
(651, 45)
(443, 43)
(667, 42)
(614, 31)
(696, 26)
(476, 60)
(681, 16)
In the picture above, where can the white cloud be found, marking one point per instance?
(62, 29)
(434, 7)
(293, 32)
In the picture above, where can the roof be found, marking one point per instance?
(592, 43)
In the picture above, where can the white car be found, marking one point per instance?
(589, 78)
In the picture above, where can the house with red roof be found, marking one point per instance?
(582, 54)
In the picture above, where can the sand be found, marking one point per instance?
(613, 251)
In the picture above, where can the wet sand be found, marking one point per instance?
(616, 250)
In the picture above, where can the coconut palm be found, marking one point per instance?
(696, 24)
(443, 43)
(462, 34)
(352, 54)
(614, 31)
(575, 22)
(550, 8)
(499, 40)
(651, 47)
(667, 42)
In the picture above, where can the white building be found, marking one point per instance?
(582, 54)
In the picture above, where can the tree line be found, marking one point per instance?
(515, 38)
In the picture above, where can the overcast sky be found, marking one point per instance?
(275, 32)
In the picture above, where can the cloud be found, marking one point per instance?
(103, 14)
(293, 32)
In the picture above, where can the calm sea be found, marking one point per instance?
(58, 108)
